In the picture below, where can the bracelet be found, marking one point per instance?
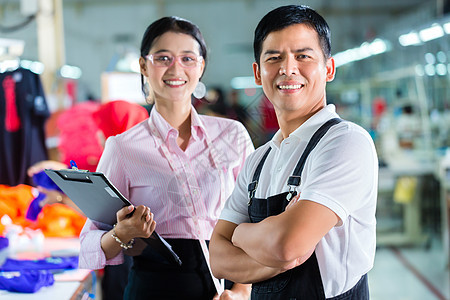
(125, 246)
(59, 198)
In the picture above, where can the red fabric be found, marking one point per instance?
(78, 128)
(117, 116)
(12, 120)
(379, 106)
(78, 136)
(268, 115)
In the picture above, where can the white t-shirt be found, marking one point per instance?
(341, 173)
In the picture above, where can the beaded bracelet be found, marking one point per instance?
(126, 246)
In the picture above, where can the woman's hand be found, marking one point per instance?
(293, 201)
(139, 224)
(238, 292)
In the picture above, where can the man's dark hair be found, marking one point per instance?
(285, 16)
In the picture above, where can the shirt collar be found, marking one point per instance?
(165, 130)
(307, 129)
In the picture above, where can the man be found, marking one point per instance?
(296, 228)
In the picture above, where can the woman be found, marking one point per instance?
(110, 118)
(177, 168)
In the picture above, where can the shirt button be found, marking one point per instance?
(278, 169)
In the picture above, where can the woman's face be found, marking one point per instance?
(173, 67)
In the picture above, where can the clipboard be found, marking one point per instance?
(99, 200)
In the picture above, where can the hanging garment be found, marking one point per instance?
(23, 112)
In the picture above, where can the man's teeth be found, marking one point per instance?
(290, 87)
(175, 82)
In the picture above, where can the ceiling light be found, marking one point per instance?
(431, 33)
(446, 27)
(409, 39)
(243, 82)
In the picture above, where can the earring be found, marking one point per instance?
(146, 90)
(200, 90)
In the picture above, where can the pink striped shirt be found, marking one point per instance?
(135, 163)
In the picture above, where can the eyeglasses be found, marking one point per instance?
(166, 61)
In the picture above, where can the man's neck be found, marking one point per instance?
(290, 121)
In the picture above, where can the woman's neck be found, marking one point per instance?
(178, 115)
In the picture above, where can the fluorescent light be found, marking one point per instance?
(246, 82)
(419, 70)
(441, 57)
(35, 66)
(430, 70)
(429, 58)
(409, 39)
(70, 72)
(366, 50)
(378, 46)
(441, 69)
(431, 33)
(446, 27)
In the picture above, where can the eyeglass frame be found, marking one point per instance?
(175, 58)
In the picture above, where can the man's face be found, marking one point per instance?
(293, 71)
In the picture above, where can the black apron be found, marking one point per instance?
(303, 281)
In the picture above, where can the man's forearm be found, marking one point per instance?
(258, 241)
(232, 263)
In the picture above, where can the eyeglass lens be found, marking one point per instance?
(164, 60)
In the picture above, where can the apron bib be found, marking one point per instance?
(303, 281)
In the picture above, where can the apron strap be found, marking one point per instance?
(295, 179)
(254, 184)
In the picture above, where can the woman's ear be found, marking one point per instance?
(202, 69)
(143, 66)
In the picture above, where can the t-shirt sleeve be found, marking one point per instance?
(343, 172)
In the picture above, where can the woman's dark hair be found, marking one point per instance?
(285, 16)
(173, 24)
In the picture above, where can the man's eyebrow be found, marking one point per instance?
(306, 49)
(270, 52)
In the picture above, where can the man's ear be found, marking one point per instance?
(331, 69)
(257, 73)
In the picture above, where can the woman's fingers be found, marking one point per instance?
(140, 224)
(294, 200)
(124, 212)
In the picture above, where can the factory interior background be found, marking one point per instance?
(392, 78)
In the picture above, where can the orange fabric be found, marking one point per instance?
(55, 220)
(59, 220)
(14, 202)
